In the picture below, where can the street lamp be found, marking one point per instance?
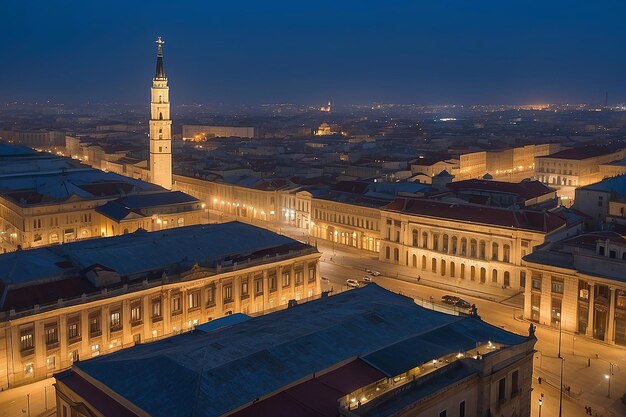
(540, 404)
(608, 378)
(562, 360)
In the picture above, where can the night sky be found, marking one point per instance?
(425, 52)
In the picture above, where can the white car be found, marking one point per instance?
(352, 283)
(372, 272)
(367, 278)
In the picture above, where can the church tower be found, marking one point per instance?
(160, 126)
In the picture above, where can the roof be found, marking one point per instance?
(134, 255)
(126, 207)
(222, 322)
(584, 152)
(524, 189)
(578, 254)
(210, 374)
(537, 221)
(615, 185)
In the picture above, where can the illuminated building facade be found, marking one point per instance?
(572, 168)
(46, 199)
(464, 244)
(578, 284)
(97, 296)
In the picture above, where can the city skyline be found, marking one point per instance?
(246, 53)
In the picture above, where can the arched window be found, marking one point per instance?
(494, 251)
(473, 273)
(414, 261)
(415, 235)
(160, 116)
(494, 275)
(396, 254)
(507, 279)
(482, 249)
(506, 255)
(425, 240)
(454, 245)
(483, 275)
(462, 271)
(445, 243)
(473, 248)
(452, 269)
(387, 252)
(435, 242)
(424, 262)
(443, 268)
(433, 265)
(463, 246)
(125, 231)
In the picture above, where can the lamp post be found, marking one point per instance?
(560, 357)
(609, 376)
(540, 404)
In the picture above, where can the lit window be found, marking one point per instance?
(51, 363)
(115, 319)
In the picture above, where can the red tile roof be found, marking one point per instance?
(540, 221)
(316, 397)
(94, 396)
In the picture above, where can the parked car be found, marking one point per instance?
(353, 283)
(372, 272)
(455, 301)
(367, 278)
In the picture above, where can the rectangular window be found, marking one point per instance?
(26, 340)
(536, 284)
(156, 308)
(228, 293)
(258, 286)
(312, 273)
(299, 277)
(193, 300)
(210, 296)
(555, 317)
(176, 307)
(272, 281)
(94, 324)
(244, 288)
(502, 390)
(52, 334)
(462, 409)
(73, 331)
(51, 363)
(515, 382)
(116, 320)
(135, 313)
(557, 286)
(286, 279)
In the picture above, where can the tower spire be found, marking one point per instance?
(160, 72)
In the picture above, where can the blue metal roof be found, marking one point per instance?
(233, 366)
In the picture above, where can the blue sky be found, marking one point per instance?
(438, 51)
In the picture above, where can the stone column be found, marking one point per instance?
(590, 323)
(610, 331)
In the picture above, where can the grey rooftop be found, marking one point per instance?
(210, 374)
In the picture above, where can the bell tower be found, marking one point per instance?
(160, 126)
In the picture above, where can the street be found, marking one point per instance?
(586, 362)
